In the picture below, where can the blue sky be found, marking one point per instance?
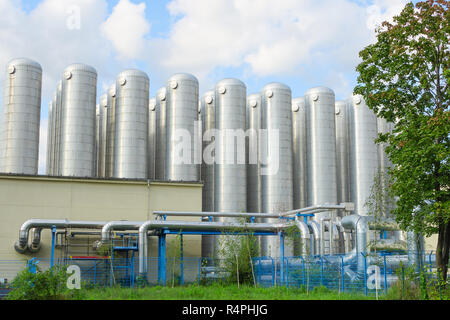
(302, 43)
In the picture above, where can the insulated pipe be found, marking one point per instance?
(215, 214)
(305, 237)
(347, 206)
(360, 225)
(189, 225)
(21, 244)
(35, 245)
(118, 225)
(315, 228)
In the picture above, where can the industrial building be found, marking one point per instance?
(115, 168)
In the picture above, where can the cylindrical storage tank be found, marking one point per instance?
(131, 122)
(253, 126)
(384, 164)
(58, 105)
(363, 152)
(53, 137)
(276, 159)
(207, 170)
(230, 183)
(110, 131)
(182, 114)
(77, 149)
(299, 151)
(160, 155)
(19, 139)
(151, 138)
(342, 152)
(48, 166)
(97, 142)
(321, 148)
(101, 147)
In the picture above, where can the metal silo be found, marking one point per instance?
(19, 139)
(363, 152)
(276, 158)
(253, 126)
(57, 136)
(182, 114)
(77, 146)
(97, 140)
(110, 131)
(299, 150)
(131, 123)
(104, 136)
(151, 138)
(49, 155)
(160, 155)
(342, 151)
(321, 148)
(207, 170)
(101, 148)
(230, 177)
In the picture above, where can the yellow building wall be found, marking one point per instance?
(23, 198)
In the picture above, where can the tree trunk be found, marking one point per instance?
(442, 250)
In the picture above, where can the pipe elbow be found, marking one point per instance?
(33, 248)
(19, 247)
(303, 229)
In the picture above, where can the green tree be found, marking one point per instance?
(404, 79)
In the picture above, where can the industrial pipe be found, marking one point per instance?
(305, 237)
(315, 228)
(216, 214)
(21, 245)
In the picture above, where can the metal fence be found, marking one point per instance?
(370, 275)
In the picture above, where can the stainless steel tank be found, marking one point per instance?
(97, 140)
(207, 170)
(182, 114)
(253, 126)
(160, 154)
(299, 150)
(230, 183)
(101, 147)
(77, 146)
(151, 138)
(363, 152)
(48, 165)
(58, 104)
(276, 158)
(131, 125)
(53, 137)
(384, 164)
(342, 151)
(19, 138)
(321, 148)
(110, 131)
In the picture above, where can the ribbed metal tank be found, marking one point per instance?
(253, 126)
(230, 177)
(321, 148)
(363, 152)
(207, 170)
(110, 131)
(57, 147)
(97, 140)
(131, 122)
(77, 148)
(384, 163)
(182, 114)
(19, 140)
(160, 155)
(277, 183)
(104, 159)
(151, 138)
(53, 137)
(342, 151)
(49, 155)
(299, 150)
(101, 146)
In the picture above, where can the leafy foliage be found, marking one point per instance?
(404, 79)
(42, 285)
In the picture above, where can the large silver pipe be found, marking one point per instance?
(21, 244)
(216, 214)
(348, 206)
(361, 227)
(315, 231)
(299, 151)
(203, 226)
(305, 237)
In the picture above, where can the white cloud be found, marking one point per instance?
(126, 28)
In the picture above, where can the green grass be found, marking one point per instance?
(212, 292)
